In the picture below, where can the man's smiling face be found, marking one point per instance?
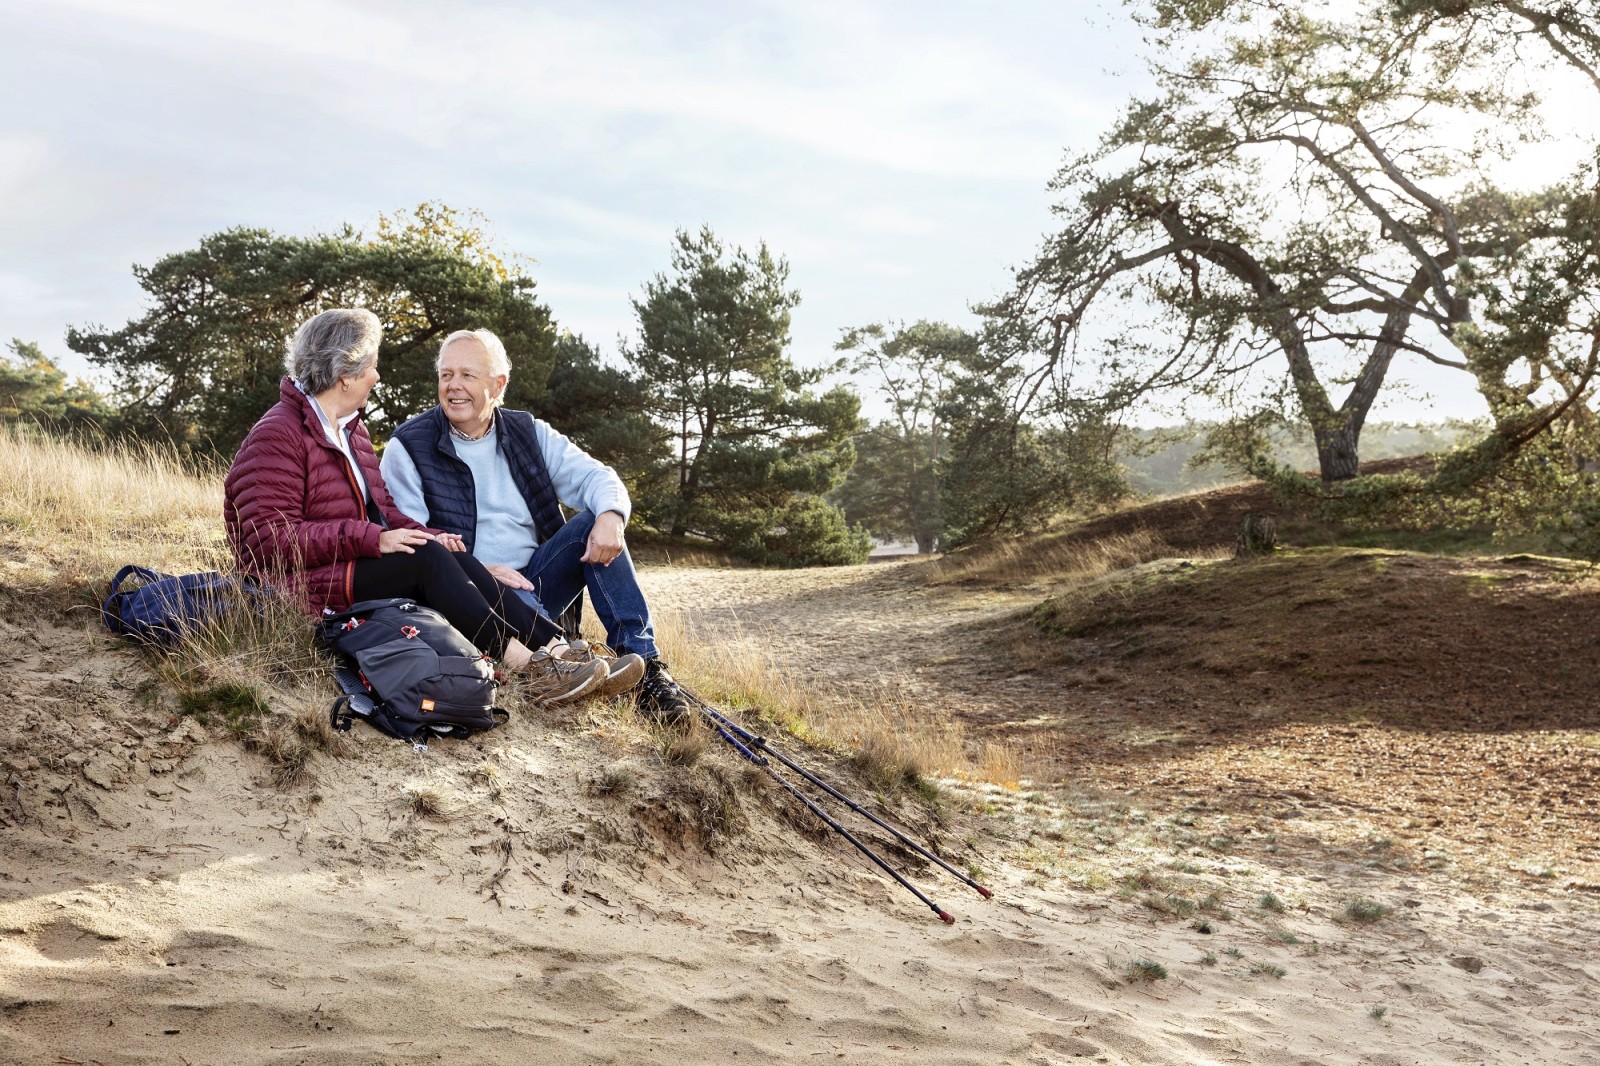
(467, 390)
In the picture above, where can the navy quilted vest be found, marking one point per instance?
(447, 488)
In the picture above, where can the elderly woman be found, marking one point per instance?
(305, 505)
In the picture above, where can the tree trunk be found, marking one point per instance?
(1258, 536)
(1337, 450)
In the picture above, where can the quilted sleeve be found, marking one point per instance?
(268, 489)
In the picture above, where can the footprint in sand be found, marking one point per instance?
(65, 941)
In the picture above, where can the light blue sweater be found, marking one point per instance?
(506, 534)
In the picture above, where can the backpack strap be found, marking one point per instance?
(343, 712)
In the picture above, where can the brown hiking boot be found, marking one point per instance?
(551, 680)
(624, 671)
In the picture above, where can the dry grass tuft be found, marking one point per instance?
(728, 668)
(1054, 555)
(487, 774)
(682, 745)
(274, 643)
(427, 801)
(616, 779)
(55, 494)
(313, 724)
(895, 740)
(889, 765)
(1144, 971)
(708, 798)
(286, 751)
(1001, 765)
(1365, 911)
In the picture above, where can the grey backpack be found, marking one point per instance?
(408, 672)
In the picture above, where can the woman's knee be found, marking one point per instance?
(434, 562)
(433, 554)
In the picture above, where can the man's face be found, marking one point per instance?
(466, 387)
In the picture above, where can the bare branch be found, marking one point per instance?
(1546, 23)
(1446, 216)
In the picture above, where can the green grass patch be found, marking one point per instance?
(1365, 911)
(1144, 971)
(239, 705)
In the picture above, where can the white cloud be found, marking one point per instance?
(21, 294)
(879, 94)
(892, 155)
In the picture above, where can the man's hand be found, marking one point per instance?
(605, 539)
(401, 540)
(452, 541)
(508, 577)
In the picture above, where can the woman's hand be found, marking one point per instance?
(401, 540)
(452, 542)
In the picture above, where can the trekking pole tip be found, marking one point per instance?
(984, 892)
(946, 917)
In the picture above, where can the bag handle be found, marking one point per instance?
(143, 573)
(108, 609)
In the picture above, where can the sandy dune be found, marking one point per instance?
(162, 902)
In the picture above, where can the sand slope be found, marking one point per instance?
(162, 901)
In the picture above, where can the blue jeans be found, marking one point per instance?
(559, 578)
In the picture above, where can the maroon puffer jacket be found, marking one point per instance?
(292, 506)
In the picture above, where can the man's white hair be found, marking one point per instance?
(499, 363)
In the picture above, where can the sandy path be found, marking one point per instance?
(852, 628)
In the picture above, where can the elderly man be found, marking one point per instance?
(495, 476)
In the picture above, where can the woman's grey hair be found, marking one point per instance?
(335, 344)
(499, 364)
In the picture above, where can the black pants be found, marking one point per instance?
(458, 587)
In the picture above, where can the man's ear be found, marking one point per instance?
(500, 383)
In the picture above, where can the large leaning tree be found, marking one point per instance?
(1314, 191)
(204, 361)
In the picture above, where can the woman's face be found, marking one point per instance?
(362, 383)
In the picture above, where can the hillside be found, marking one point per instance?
(1158, 461)
(1280, 811)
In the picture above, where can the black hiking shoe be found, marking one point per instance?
(659, 697)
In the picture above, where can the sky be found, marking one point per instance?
(897, 154)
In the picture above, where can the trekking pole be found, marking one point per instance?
(760, 743)
(811, 805)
